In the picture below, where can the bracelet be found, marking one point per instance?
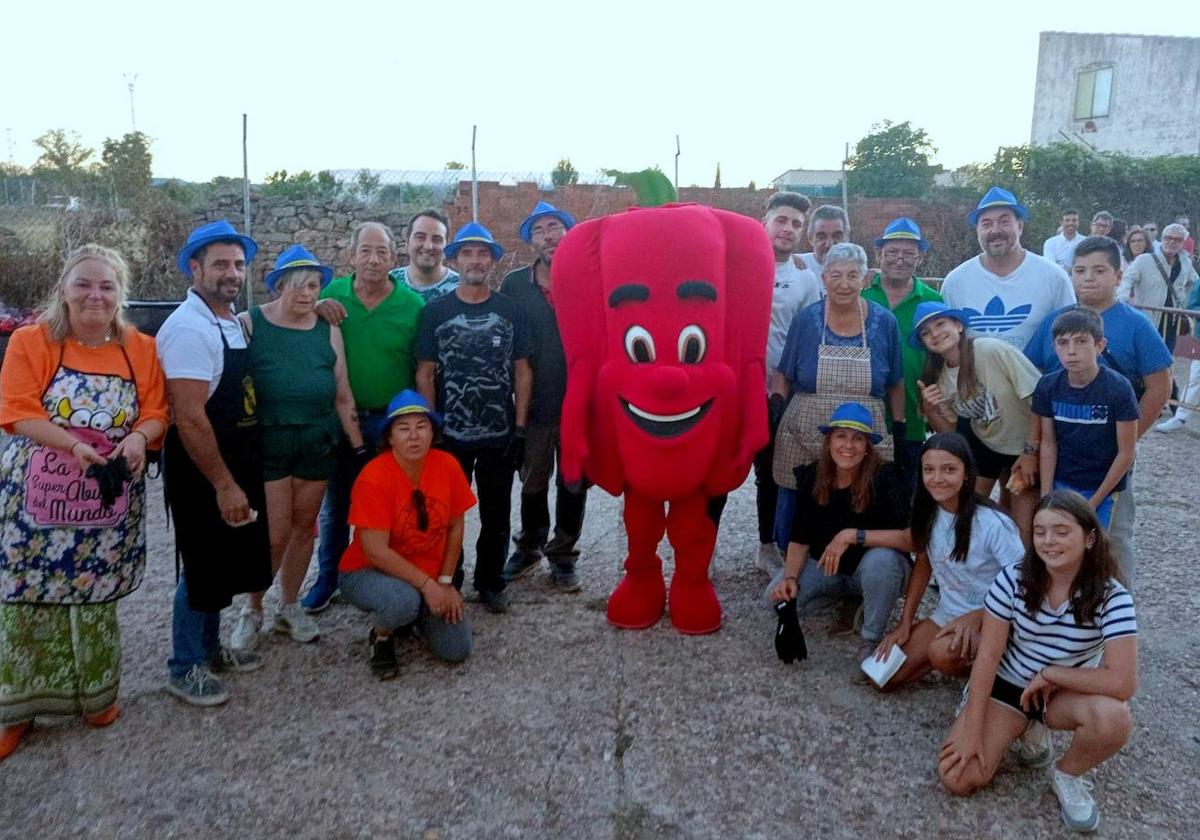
(1031, 447)
(71, 451)
(792, 577)
(445, 580)
(421, 588)
(145, 436)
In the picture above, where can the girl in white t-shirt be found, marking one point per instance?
(1059, 647)
(981, 387)
(963, 541)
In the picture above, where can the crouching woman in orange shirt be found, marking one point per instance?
(407, 510)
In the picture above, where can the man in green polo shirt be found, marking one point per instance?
(378, 317)
(898, 288)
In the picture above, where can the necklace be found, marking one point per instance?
(108, 336)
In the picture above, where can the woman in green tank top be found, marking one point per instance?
(304, 403)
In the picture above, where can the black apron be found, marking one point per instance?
(221, 561)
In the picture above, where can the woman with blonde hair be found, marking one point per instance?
(82, 395)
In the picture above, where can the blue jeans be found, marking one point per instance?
(1104, 511)
(394, 603)
(785, 511)
(879, 579)
(195, 635)
(335, 507)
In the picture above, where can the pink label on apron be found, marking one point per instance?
(58, 494)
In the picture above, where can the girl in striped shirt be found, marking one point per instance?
(1058, 647)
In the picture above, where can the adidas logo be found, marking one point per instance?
(995, 318)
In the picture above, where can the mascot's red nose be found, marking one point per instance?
(669, 382)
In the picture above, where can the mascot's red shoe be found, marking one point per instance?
(664, 314)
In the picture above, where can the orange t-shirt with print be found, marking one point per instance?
(382, 500)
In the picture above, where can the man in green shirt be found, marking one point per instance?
(898, 288)
(378, 317)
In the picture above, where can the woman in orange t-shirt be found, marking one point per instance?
(79, 391)
(407, 510)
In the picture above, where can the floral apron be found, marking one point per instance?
(60, 544)
(843, 375)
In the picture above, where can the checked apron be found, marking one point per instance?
(843, 375)
(221, 561)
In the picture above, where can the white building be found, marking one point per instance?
(1138, 94)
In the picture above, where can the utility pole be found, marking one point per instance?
(129, 80)
(677, 164)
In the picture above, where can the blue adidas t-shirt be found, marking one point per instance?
(1085, 424)
(1132, 341)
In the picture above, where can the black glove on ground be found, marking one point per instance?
(789, 638)
(112, 478)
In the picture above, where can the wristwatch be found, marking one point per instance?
(445, 580)
(860, 537)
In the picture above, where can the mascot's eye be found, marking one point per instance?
(692, 344)
(639, 344)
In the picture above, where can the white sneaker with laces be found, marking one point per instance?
(1172, 425)
(245, 631)
(293, 621)
(1035, 747)
(1078, 808)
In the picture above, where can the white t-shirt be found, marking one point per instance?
(795, 288)
(189, 342)
(810, 262)
(962, 586)
(1061, 250)
(1011, 307)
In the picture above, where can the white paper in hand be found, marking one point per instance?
(881, 672)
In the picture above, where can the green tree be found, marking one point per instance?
(564, 173)
(892, 162)
(303, 185)
(717, 180)
(454, 165)
(126, 164)
(752, 186)
(366, 184)
(406, 194)
(61, 163)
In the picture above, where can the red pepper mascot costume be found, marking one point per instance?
(664, 313)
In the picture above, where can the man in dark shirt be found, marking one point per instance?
(530, 287)
(472, 359)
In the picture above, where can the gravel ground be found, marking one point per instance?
(562, 726)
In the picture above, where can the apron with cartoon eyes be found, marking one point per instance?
(843, 375)
(59, 543)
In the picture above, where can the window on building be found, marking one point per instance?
(1093, 90)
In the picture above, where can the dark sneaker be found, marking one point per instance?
(493, 601)
(383, 657)
(319, 597)
(564, 580)
(198, 687)
(519, 565)
(848, 618)
(237, 661)
(864, 649)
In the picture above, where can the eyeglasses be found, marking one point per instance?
(418, 499)
(899, 256)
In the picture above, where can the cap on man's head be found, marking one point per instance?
(998, 197)
(473, 232)
(205, 235)
(540, 211)
(903, 229)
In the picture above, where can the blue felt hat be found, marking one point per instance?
(998, 197)
(409, 401)
(218, 231)
(929, 310)
(542, 210)
(852, 415)
(473, 232)
(296, 257)
(903, 229)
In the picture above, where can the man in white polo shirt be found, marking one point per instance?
(1061, 247)
(1006, 290)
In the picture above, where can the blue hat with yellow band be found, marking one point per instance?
(213, 232)
(540, 211)
(854, 416)
(473, 232)
(294, 258)
(903, 229)
(930, 310)
(409, 401)
(998, 197)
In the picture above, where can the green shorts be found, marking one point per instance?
(305, 452)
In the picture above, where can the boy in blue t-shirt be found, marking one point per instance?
(1089, 416)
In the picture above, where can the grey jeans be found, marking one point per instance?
(879, 579)
(394, 603)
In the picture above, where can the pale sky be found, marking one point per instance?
(760, 87)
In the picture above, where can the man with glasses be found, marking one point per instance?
(1164, 279)
(530, 287)
(897, 287)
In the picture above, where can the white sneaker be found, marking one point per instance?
(293, 621)
(245, 632)
(1035, 747)
(1172, 425)
(1078, 808)
(769, 559)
